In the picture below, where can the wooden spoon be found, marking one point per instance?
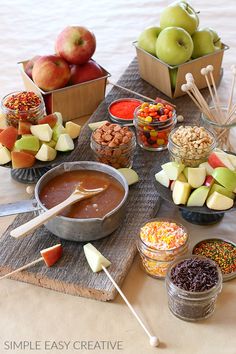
(79, 194)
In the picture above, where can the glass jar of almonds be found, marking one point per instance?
(191, 145)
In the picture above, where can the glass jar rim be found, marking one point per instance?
(131, 143)
(182, 293)
(157, 123)
(215, 124)
(155, 250)
(210, 147)
(4, 108)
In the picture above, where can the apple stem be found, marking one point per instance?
(130, 306)
(22, 268)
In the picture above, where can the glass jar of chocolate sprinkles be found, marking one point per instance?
(193, 285)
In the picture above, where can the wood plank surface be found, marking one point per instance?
(72, 274)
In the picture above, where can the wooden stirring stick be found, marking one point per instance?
(79, 194)
(210, 69)
(139, 94)
(233, 68)
(49, 255)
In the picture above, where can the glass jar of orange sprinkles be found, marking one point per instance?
(160, 242)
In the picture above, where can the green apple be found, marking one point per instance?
(232, 159)
(5, 155)
(173, 76)
(64, 143)
(198, 197)
(173, 169)
(95, 125)
(182, 177)
(130, 175)
(51, 143)
(95, 259)
(42, 131)
(222, 190)
(181, 192)
(174, 46)
(73, 129)
(220, 159)
(185, 172)
(204, 42)
(217, 201)
(162, 178)
(58, 129)
(216, 38)
(59, 117)
(208, 168)
(27, 142)
(196, 176)
(180, 14)
(147, 39)
(46, 153)
(225, 177)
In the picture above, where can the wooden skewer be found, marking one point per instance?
(210, 69)
(139, 94)
(185, 88)
(152, 339)
(22, 268)
(233, 68)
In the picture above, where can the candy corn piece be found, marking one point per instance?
(95, 259)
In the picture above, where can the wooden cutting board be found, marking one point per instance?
(72, 274)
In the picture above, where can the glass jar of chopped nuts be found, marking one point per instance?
(113, 145)
(191, 145)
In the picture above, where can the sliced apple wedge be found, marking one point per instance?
(232, 159)
(198, 197)
(95, 125)
(225, 177)
(185, 172)
(182, 177)
(209, 181)
(73, 129)
(64, 143)
(5, 155)
(42, 131)
(220, 159)
(221, 190)
(27, 142)
(173, 169)
(162, 178)
(181, 192)
(196, 176)
(58, 129)
(8, 137)
(209, 169)
(217, 201)
(130, 175)
(52, 254)
(95, 259)
(46, 153)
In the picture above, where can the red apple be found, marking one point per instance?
(219, 159)
(24, 128)
(52, 254)
(86, 72)
(76, 44)
(50, 119)
(8, 137)
(51, 72)
(29, 66)
(209, 181)
(22, 159)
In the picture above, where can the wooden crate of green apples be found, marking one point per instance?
(166, 53)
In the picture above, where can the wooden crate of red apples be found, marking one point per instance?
(66, 79)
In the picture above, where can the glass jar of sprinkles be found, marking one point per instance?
(160, 242)
(193, 285)
(24, 106)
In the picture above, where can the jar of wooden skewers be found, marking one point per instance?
(223, 123)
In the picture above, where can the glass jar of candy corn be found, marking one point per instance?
(24, 106)
(160, 242)
(153, 123)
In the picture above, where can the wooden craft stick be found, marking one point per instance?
(233, 68)
(22, 268)
(210, 69)
(138, 94)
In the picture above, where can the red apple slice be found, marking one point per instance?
(51, 119)
(209, 181)
(219, 159)
(22, 159)
(8, 137)
(52, 254)
(24, 128)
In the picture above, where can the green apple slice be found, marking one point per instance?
(46, 153)
(185, 172)
(58, 129)
(182, 177)
(173, 169)
(42, 131)
(196, 176)
(232, 159)
(5, 155)
(181, 192)
(209, 169)
(225, 177)
(64, 143)
(221, 190)
(130, 175)
(27, 142)
(73, 129)
(198, 197)
(162, 178)
(95, 125)
(217, 201)
(95, 259)
(59, 117)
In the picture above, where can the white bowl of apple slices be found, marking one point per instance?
(210, 187)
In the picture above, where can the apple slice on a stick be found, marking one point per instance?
(49, 255)
(98, 262)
